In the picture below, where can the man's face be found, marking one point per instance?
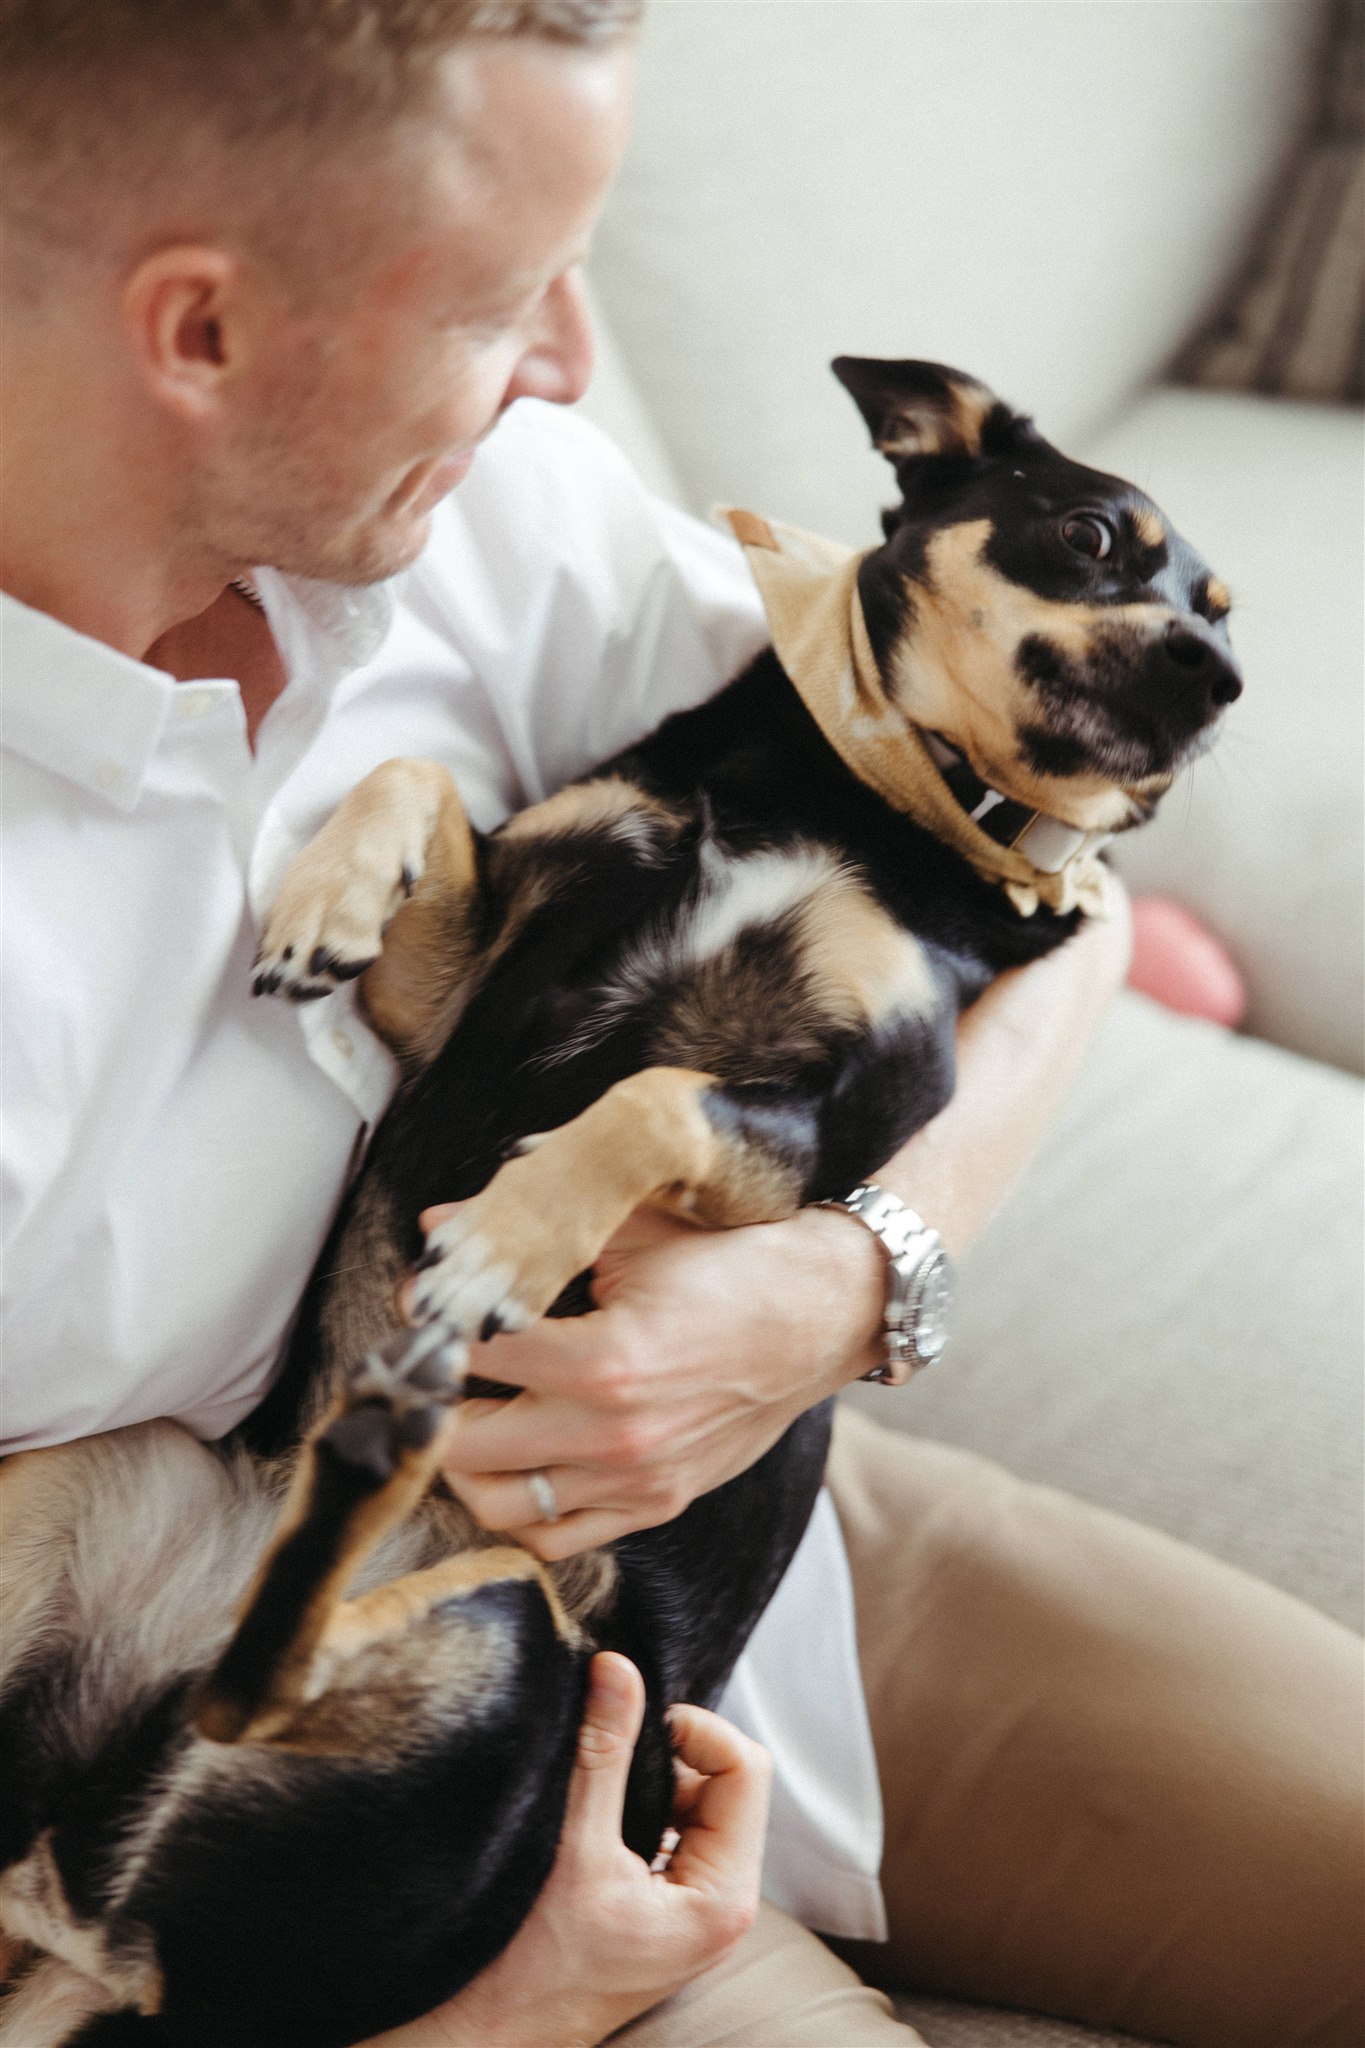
(350, 421)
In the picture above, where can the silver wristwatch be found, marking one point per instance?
(918, 1281)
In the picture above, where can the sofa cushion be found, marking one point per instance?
(1166, 1317)
(945, 2024)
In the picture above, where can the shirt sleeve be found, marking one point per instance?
(586, 609)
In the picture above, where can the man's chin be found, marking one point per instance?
(394, 539)
(373, 553)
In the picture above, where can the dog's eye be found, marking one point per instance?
(1088, 536)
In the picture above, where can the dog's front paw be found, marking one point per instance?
(397, 1398)
(328, 923)
(500, 1260)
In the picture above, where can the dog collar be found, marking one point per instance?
(1050, 843)
(809, 588)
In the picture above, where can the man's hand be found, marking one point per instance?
(705, 1346)
(608, 1938)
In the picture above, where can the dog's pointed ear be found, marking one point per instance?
(915, 409)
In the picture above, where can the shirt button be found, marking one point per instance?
(194, 703)
(343, 1044)
(107, 774)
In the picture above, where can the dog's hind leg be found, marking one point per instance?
(363, 1472)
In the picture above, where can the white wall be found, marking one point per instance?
(1045, 192)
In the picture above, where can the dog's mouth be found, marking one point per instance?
(1133, 709)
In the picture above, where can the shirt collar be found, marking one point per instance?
(94, 716)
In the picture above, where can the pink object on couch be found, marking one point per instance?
(1180, 964)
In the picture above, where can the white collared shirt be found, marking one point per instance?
(173, 1150)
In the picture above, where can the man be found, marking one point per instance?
(274, 271)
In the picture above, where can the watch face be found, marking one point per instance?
(929, 1333)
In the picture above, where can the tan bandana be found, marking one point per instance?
(809, 589)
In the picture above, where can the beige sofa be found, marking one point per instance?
(1167, 1317)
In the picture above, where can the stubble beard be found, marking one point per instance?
(275, 500)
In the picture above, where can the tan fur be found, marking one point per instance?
(50, 2004)
(366, 1692)
(596, 806)
(34, 1905)
(360, 1308)
(954, 671)
(1147, 526)
(938, 429)
(516, 1245)
(856, 955)
(428, 947)
(348, 882)
(145, 1522)
(387, 1610)
(31, 1561)
(737, 1016)
(391, 879)
(219, 1716)
(1217, 597)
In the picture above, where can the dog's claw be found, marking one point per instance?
(325, 962)
(466, 1287)
(426, 1361)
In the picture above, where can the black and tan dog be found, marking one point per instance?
(285, 1737)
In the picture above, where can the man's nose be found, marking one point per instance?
(558, 364)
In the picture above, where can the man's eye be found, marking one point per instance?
(1086, 535)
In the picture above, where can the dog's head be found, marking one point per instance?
(1043, 617)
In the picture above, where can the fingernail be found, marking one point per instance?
(610, 1676)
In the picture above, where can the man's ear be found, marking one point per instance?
(176, 306)
(915, 409)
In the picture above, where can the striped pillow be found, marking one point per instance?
(1294, 323)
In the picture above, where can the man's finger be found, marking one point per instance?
(506, 1500)
(524, 1435)
(552, 1541)
(606, 1743)
(726, 1815)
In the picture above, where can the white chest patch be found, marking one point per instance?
(737, 893)
(754, 889)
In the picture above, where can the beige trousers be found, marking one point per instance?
(1123, 1782)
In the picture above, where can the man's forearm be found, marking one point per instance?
(1018, 1051)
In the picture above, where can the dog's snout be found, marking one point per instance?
(1204, 662)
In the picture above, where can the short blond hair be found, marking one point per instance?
(106, 105)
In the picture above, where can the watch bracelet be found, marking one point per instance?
(902, 1359)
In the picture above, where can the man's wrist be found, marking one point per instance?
(851, 1270)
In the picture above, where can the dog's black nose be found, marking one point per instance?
(1203, 662)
